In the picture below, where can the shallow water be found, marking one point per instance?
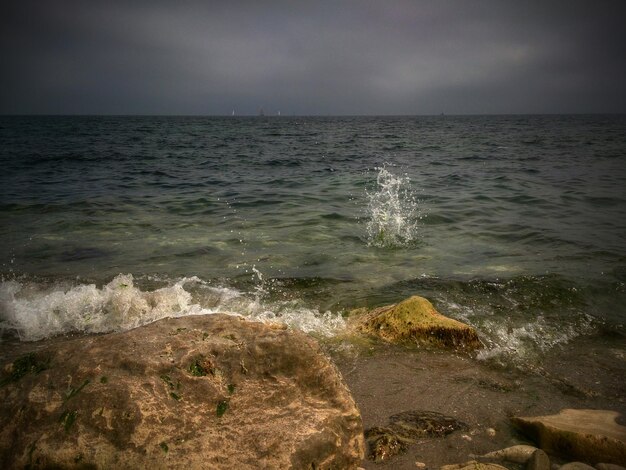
(514, 224)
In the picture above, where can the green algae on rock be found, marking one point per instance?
(26, 364)
(222, 407)
(67, 419)
(415, 320)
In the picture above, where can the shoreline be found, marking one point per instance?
(385, 379)
(389, 379)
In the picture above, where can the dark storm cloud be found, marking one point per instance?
(339, 57)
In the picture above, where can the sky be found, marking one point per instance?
(320, 57)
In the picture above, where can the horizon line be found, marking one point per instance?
(268, 116)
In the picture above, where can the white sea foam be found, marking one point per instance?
(393, 211)
(519, 342)
(34, 312)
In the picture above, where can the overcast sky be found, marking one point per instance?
(312, 57)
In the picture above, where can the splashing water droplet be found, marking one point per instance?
(393, 211)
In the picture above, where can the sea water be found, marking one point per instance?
(513, 224)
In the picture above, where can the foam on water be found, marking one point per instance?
(34, 311)
(524, 344)
(393, 211)
(511, 339)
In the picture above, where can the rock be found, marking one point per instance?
(516, 454)
(473, 465)
(490, 432)
(609, 466)
(415, 320)
(404, 429)
(588, 435)
(384, 443)
(211, 391)
(576, 466)
(539, 461)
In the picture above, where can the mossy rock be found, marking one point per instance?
(415, 320)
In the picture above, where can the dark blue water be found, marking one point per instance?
(515, 224)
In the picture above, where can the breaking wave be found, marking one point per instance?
(519, 320)
(34, 311)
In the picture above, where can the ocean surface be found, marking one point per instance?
(514, 224)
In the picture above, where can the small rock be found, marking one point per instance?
(383, 443)
(576, 466)
(404, 428)
(473, 465)
(609, 466)
(516, 454)
(466, 437)
(455, 466)
(539, 461)
(420, 464)
(490, 432)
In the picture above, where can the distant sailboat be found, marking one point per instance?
(233, 113)
(279, 112)
(261, 112)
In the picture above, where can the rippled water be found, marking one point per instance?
(516, 224)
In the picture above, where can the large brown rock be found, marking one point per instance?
(415, 320)
(591, 436)
(211, 391)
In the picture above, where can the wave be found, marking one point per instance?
(526, 343)
(519, 320)
(522, 318)
(33, 311)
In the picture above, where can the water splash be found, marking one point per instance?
(34, 311)
(393, 211)
(526, 344)
(521, 319)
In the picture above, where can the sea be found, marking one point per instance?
(513, 224)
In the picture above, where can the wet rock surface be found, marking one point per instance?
(609, 466)
(576, 466)
(539, 461)
(211, 391)
(415, 320)
(520, 453)
(591, 436)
